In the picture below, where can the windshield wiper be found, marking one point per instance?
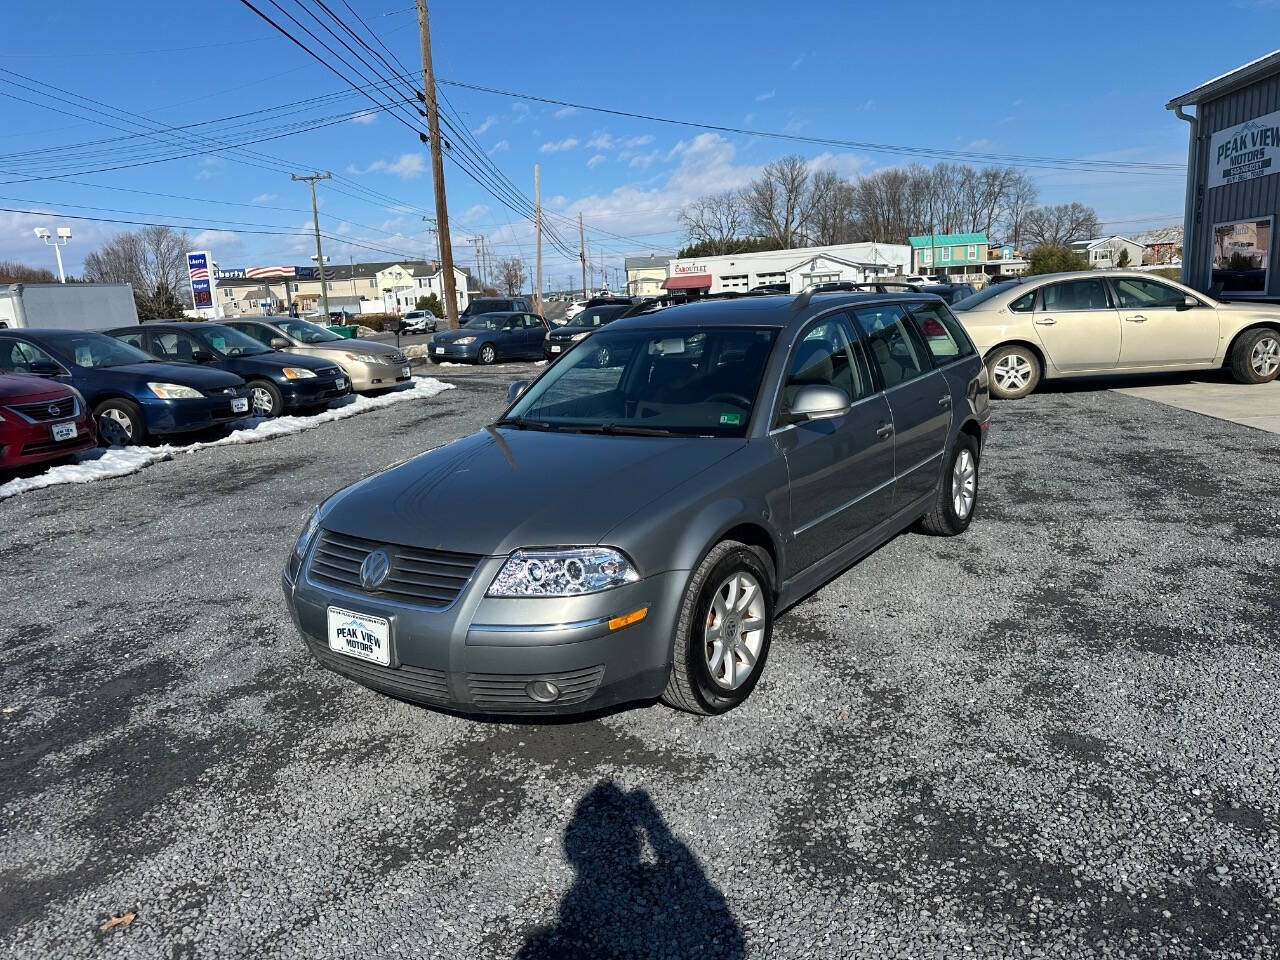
(523, 423)
(616, 429)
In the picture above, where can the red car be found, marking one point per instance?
(41, 420)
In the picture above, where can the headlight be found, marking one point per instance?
(581, 336)
(296, 373)
(463, 341)
(366, 358)
(566, 572)
(174, 391)
(303, 544)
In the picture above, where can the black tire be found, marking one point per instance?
(271, 393)
(1253, 358)
(436, 360)
(690, 687)
(944, 519)
(488, 354)
(1021, 361)
(112, 431)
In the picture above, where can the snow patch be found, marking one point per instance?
(121, 461)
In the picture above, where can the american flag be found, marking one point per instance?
(200, 273)
(265, 273)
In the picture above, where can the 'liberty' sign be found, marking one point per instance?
(1247, 150)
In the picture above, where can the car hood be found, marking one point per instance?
(568, 333)
(448, 336)
(21, 388)
(274, 362)
(1251, 309)
(501, 489)
(187, 375)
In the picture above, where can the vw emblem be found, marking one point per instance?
(374, 570)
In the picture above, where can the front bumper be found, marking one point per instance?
(548, 353)
(22, 444)
(185, 416)
(377, 376)
(479, 654)
(313, 391)
(453, 353)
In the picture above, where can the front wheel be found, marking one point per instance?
(723, 634)
(1256, 356)
(488, 354)
(120, 423)
(266, 398)
(1014, 372)
(957, 494)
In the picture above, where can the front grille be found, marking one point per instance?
(412, 683)
(44, 410)
(427, 578)
(398, 358)
(49, 446)
(506, 693)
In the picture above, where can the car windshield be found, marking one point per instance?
(597, 316)
(693, 381)
(487, 322)
(228, 342)
(476, 307)
(305, 331)
(97, 350)
(982, 296)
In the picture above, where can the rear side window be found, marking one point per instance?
(827, 356)
(258, 332)
(1024, 303)
(892, 349)
(941, 332)
(132, 339)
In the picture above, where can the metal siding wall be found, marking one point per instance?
(1259, 197)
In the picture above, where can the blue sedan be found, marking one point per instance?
(279, 382)
(132, 395)
(491, 337)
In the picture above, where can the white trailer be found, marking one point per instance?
(67, 306)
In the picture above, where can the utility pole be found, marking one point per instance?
(537, 219)
(315, 220)
(437, 168)
(432, 227)
(582, 255)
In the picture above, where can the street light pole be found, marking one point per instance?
(63, 237)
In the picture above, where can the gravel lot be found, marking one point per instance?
(1053, 736)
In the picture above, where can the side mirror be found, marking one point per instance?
(202, 356)
(44, 368)
(517, 388)
(1188, 303)
(817, 402)
(279, 343)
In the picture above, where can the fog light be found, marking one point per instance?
(542, 690)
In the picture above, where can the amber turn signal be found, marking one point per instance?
(627, 619)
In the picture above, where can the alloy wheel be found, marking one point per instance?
(115, 426)
(1012, 372)
(262, 402)
(964, 484)
(734, 630)
(1265, 358)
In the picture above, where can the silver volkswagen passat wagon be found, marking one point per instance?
(632, 524)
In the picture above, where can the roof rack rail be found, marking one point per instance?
(831, 286)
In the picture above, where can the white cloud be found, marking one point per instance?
(982, 143)
(642, 141)
(264, 198)
(601, 141)
(558, 146)
(845, 164)
(223, 244)
(596, 160)
(767, 95)
(408, 167)
(566, 112)
(502, 146)
(799, 61)
(489, 121)
(749, 119)
(365, 117)
(210, 167)
(643, 161)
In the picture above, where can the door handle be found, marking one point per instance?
(944, 400)
(885, 431)
(1047, 322)
(1137, 318)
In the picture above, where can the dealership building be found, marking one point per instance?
(797, 267)
(1233, 182)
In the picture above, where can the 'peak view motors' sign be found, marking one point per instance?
(1247, 150)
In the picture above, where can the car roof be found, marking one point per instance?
(770, 310)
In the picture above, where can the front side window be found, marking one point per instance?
(1132, 293)
(692, 381)
(96, 350)
(178, 347)
(229, 342)
(1076, 295)
(941, 332)
(16, 356)
(827, 356)
(305, 332)
(892, 349)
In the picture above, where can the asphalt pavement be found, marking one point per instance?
(1054, 736)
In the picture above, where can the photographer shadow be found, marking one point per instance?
(626, 904)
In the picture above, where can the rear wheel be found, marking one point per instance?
(1256, 356)
(723, 634)
(957, 494)
(488, 354)
(265, 398)
(120, 423)
(1014, 372)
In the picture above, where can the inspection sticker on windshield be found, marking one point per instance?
(360, 635)
(730, 419)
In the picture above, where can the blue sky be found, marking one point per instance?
(1037, 82)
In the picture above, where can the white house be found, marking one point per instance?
(426, 284)
(797, 267)
(1105, 252)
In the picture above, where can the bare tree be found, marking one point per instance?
(14, 272)
(1020, 200)
(153, 260)
(1061, 224)
(780, 201)
(715, 220)
(512, 272)
(831, 217)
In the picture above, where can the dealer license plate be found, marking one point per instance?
(405, 371)
(439, 349)
(239, 404)
(360, 635)
(64, 431)
(340, 383)
(555, 349)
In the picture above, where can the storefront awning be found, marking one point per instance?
(688, 281)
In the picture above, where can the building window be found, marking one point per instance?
(1242, 256)
(973, 252)
(926, 256)
(946, 255)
